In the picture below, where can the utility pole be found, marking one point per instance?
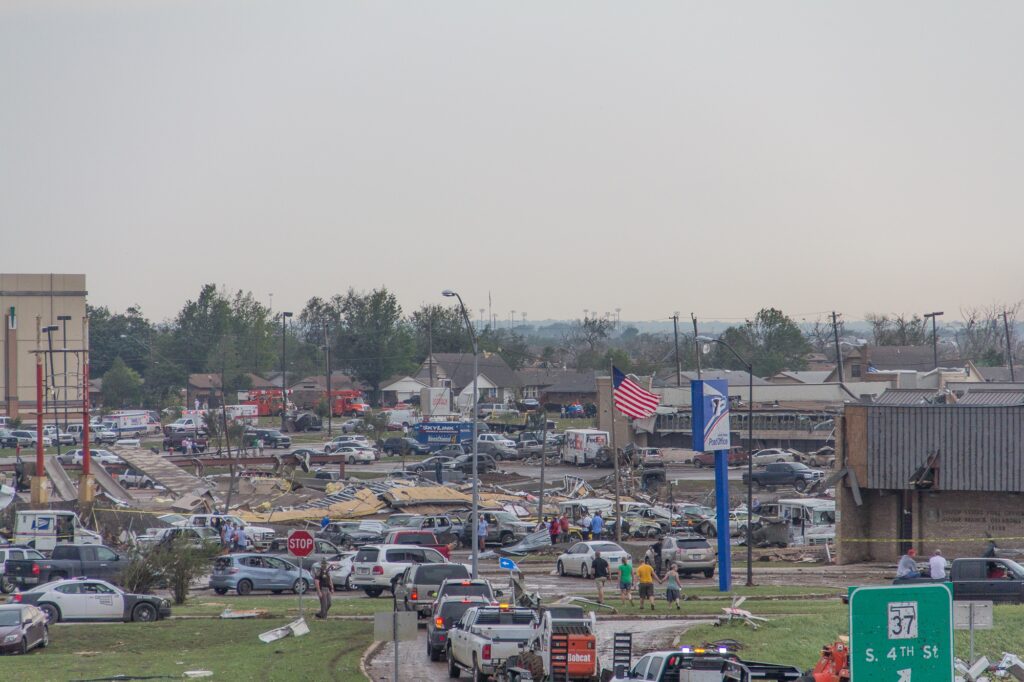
(696, 344)
(284, 368)
(839, 355)
(935, 336)
(1009, 346)
(615, 452)
(51, 391)
(330, 398)
(675, 330)
(64, 324)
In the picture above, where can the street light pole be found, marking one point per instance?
(476, 480)
(750, 454)
(284, 368)
(935, 336)
(330, 398)
(64, 323)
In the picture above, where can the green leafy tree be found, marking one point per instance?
(440, 328)
(122, 386)
(771, 342)
(512, 347)
(374, 341)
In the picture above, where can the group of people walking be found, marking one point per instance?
(642, 577)
(591, 527)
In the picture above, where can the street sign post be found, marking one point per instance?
(300, 544)
(972, 615)
(902, 633)
(395, 626)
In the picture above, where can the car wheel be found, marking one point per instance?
(477, 675)
(244, 587)
(800, 485)
(348, 583)
(709, 573)
(51, 611)
(507, 539)
(741, 531)
(584, 571)
(144, 613)
(148, 484)
(700, 464)
(779, 461)
(453, 670)
(6, 586)
(561, 569)
(351, 460)
(220, 590)
(301, 586)
(373, 592)
(24, 646)
(46, 637)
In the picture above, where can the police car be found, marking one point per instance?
(82, 599)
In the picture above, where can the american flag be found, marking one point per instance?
(630, 399)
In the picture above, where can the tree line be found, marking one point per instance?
(370, 336)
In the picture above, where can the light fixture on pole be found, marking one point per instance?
(707, 341)
(476, 481)
(935, 337)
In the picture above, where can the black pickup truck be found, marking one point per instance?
(67, 561)
(784, 473)
(985, 579)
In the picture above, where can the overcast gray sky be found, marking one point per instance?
(653, 156)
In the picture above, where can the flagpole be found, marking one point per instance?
(615, 453)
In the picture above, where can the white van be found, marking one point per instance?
(44, 529)
(581, 445)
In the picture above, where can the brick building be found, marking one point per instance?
(931, 476)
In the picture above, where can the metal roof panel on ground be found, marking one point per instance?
(110, 486)
(62, 483)
(171, 476)
(406, 496)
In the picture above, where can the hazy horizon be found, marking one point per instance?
(707, 158)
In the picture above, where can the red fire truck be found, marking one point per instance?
(267, 401)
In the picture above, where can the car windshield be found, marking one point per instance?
(797, 465)
(506, 517)
(606, 547)
(9, 618)
(402, 521)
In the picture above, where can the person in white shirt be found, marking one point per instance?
(937, 566)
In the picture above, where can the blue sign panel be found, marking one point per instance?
(710, 401)
(505, 562)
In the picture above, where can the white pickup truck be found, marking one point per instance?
(486, 636)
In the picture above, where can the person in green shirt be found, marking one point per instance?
(625, 581)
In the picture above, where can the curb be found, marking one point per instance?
(370, 652)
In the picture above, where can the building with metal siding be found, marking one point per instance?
(930, 476)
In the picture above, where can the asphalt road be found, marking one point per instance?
(415, 666)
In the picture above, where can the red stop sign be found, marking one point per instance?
(300, 543)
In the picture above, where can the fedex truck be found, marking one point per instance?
(581, 445)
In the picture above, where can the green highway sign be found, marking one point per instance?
(901, 633)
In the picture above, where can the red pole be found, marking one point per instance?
(39, 416)
(86, 457)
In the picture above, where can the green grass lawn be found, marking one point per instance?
(230, 649)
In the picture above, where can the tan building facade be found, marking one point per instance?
(30, 303)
